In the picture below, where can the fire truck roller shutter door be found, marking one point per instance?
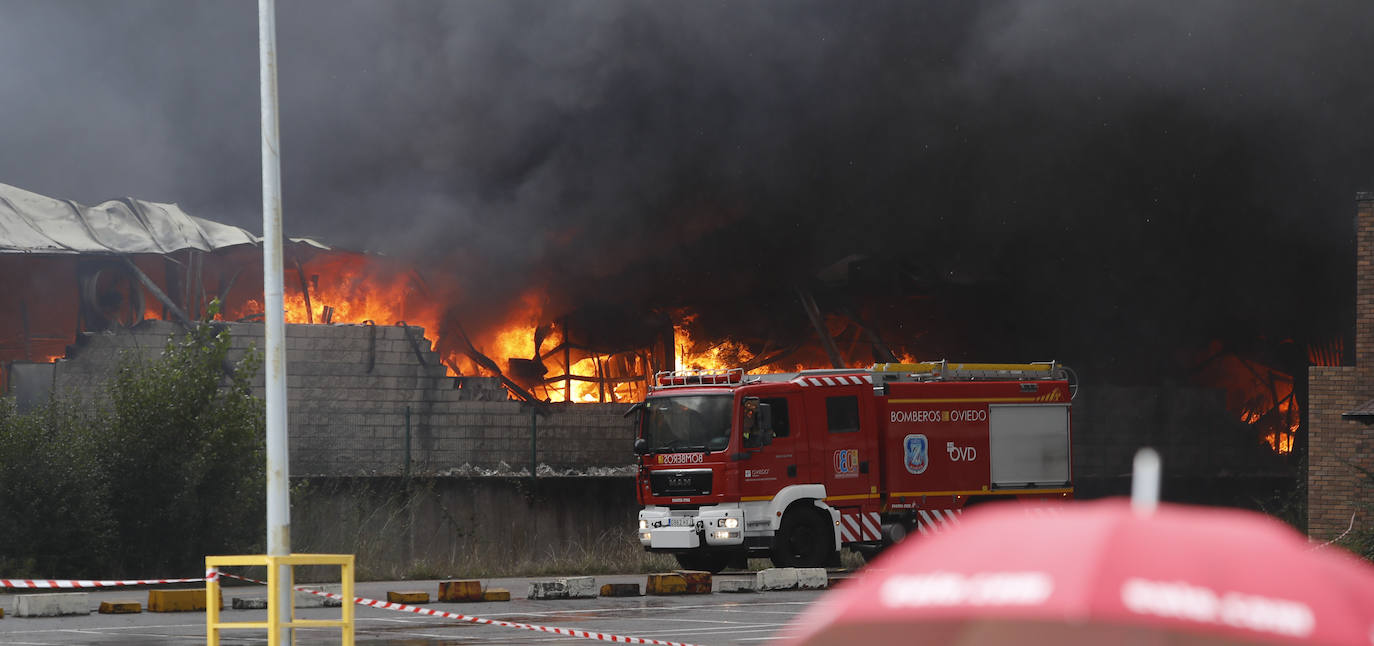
(1029, 445)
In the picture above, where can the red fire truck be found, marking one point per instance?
(795, 466)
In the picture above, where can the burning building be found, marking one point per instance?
(370, 392)
(81, 272)
(78, 269)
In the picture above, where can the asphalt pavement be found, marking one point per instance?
(717, 618)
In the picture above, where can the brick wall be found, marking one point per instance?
(349, 388)
(1338, 448)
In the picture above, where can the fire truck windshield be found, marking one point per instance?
(689, 423)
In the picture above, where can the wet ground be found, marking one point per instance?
(751, 618)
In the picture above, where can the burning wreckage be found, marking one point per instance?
(78, 269)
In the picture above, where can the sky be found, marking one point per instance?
(1091, 174)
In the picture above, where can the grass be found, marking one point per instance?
(409, 534)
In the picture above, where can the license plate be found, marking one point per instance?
(681, 521)
(679, 540)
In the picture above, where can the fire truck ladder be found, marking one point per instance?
(945, 371)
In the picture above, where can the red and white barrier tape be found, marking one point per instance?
(385, 605)
(73, 584)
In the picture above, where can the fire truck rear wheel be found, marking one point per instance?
(804, 539)
(712, 562)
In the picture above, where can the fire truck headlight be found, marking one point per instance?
(723, 535)
(644, 536)
(729, 523)
(643, 524)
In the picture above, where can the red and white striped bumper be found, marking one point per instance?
(929, 521)
(860, 526)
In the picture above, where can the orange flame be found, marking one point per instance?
(353, 288)
(705, 355)
(1262, 396)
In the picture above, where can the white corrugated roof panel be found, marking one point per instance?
(33, 223)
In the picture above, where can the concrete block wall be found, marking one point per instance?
(350, 387)
(457, 523)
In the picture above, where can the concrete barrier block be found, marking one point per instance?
(581, 587)
(189, 600)
(306, 600)
(407, 596)
(52, 604)
(120, 607)
(456, 591)
(554, 589)
(620, 590)
(496, 594)
(665, 583)
(697, 581)
(254, 603)
(777, 578)
(811, 578)
(577, 587)
(738, 584)
(330, 602)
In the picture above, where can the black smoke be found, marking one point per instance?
(1111, 183)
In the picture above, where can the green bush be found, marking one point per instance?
(54, 508)
(182, 451)
(166, 469)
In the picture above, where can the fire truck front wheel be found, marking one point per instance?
(804, 538)
(712, 561)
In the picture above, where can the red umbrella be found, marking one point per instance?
(1102, 573)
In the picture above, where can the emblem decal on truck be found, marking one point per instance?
(847, 462)
(961, 453)
(917, 451)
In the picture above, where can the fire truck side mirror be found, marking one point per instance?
(641, 446)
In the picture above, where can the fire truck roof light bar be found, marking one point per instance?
(683, 378)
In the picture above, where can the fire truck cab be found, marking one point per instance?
(795, 466)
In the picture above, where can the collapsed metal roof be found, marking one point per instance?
(33, 223)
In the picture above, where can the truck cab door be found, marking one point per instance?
(845, 447)
(783, 462)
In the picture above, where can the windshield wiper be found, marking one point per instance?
(686, 448)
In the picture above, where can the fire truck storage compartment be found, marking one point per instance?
(1029, 444)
